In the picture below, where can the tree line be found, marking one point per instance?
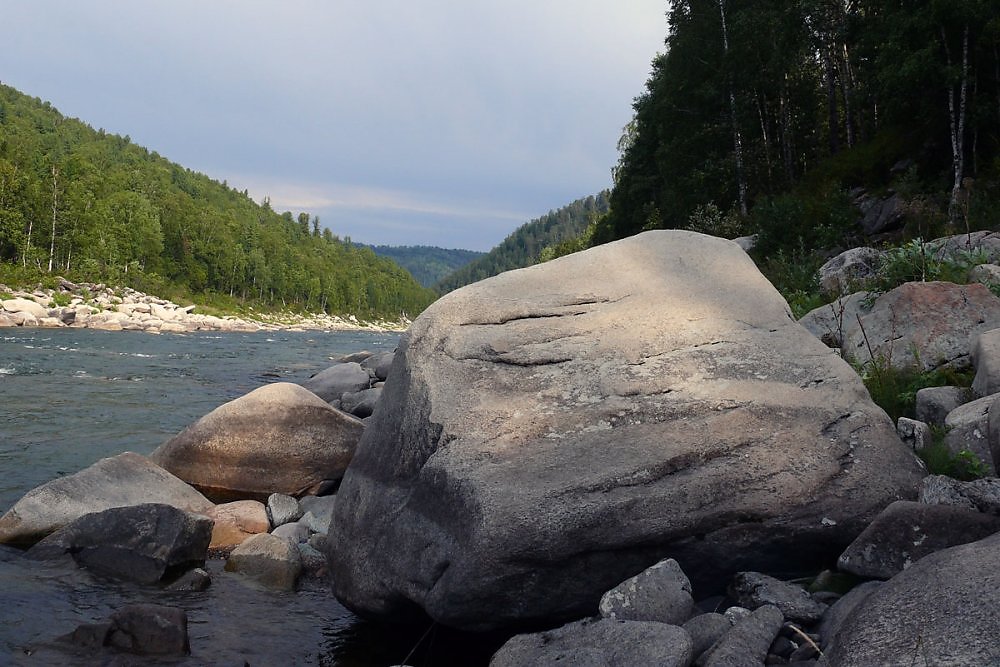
(95, 206)
(525, 245)
(754, 102)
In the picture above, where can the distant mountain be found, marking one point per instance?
(523, 246)
(95, 207)
(428, 264)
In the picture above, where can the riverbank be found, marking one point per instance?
(98, 306)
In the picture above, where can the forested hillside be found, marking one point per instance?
(524, 246)
(94, 206)
(770, 116)
(428, 264)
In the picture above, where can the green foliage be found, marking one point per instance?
(940, 460)
(124, 215)
(895, 389)
(915, 262)
(428, 264)
(809, 222)
(710, 219)
(61, 299)
(834, 97)
(525, 245)
(794, 273)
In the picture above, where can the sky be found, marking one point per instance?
(438, 122)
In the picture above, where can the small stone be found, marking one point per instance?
(915, 434)
(271, 561)
(705, 630)
(296, 532)
(282, 509)
(318, 512)
(748, 641)
(934, 403)
(660, 593)
(195, 579)
(753, 590)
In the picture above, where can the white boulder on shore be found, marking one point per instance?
(96, 306)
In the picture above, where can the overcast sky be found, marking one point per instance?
(435, 122)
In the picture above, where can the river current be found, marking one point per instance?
(69, 397)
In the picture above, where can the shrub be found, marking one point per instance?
(939, 460)
(812, 222)
(895, 389)
(915, 262)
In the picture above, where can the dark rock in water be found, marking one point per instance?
(747, 642)
(362, 403)
(142, 629)
(660, 593)
(337, 380)
(271, 561)
(552, 431)
(196, 579)
(906, 532)
(753, 590)
(942, 610)
(126, 479)
(139, 543)
(599, 644)
(279, 438)
(379, 364)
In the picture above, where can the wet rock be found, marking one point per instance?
(379, 364)
(627, 443)
(279, 438)
(337, 380)
(754, 590)
(313, 562)
(362, 403)
(270, 561)
(236, 521)
(142, 629)
(195, 579)
(940, 611)
(599, 644)
(660, 593)
(906, 532)
(126, 479)
(139, 543)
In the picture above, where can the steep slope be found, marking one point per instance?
(524, 245)
(96, 207)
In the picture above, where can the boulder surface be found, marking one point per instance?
(547, 433)
(279, 438)
(940, 611)
(118, 481)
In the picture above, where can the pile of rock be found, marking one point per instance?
(354, 383)
(936, 605)
(96, 306)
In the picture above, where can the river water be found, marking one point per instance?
(69, 397)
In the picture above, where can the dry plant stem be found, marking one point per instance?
(808, 639)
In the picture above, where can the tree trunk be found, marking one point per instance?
(737, 138)
(831, 101)
(956, 117)
(55, 208)
(847, 85)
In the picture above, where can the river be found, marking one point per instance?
(69, 397)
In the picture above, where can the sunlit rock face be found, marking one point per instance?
(548, 433)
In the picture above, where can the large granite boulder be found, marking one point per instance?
(549, 432)
(927, 325)
(942, 610)
(141, 543)
(279, 438)
(126, 479)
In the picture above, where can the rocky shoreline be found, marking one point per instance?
(98, 306)
(710, 485)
